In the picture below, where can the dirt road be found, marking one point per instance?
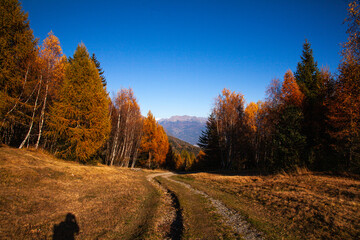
(229, 217)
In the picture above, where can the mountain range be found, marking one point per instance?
(186, 128)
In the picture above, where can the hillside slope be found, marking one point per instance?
(180, 145)
(38, 191)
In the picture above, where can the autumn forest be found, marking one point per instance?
(309, 119)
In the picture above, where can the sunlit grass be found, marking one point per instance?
(302, 205)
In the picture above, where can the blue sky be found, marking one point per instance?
(178, 55)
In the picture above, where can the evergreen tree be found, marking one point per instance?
(79, 120)
(308, 78)
(209, 143)
(101, 71)
(288, 139)
(17, 55)
(307, 73)
(170, 159)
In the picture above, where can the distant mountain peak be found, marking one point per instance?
(186, 128)
(184, 118)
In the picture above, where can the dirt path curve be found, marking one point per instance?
(233, 219)
(172, 219)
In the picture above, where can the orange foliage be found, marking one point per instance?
(290, 91)
(229, 112)
(154, 141)
(251, 112)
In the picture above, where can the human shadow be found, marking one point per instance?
(67, 229)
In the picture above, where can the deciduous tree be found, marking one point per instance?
(126, 130)
(229, 116)
(345, 109)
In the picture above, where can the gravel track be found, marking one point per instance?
(230, 217)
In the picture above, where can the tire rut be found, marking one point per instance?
(174, 216)
(230, 217)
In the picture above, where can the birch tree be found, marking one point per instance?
(126, 130)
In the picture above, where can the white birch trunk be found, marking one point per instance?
(114, 147)
(42, 116)
(33, 116)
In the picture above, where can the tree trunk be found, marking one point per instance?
(33, 116)
(149, 160)
(42, 117)
(115, 141)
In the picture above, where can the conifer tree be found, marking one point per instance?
(101, 71)
(308, 78)
(154, 142)
(307, 72)
(79, 120)
(209, 143)
(17, 55)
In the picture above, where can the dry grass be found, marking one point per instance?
(37, 191)
(299, 206)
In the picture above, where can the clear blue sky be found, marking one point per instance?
(178, 55)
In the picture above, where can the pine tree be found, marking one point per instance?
(17, 55)
(308, 78)
(307, 73)
(79, 120)
(209, 143)
(101, 71)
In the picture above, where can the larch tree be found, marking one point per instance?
(154, 142)
(79, 120)
(163, 146)
(17, 55)
(251, 120)
(345, 109)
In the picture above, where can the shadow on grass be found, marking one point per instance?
(67, 229)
